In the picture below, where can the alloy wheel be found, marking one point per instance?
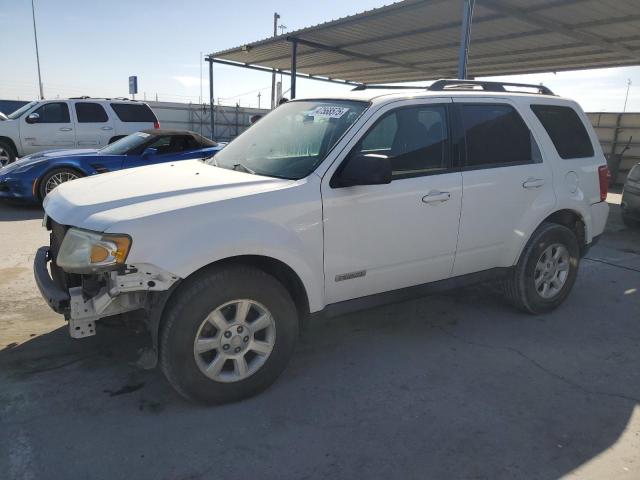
(57, 179)
(234, 341)
(552, 270)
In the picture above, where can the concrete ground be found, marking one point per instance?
(450, 386)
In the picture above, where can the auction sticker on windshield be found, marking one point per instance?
(328, 111)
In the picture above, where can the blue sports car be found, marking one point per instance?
(31, 178)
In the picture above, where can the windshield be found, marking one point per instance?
(21, 110)
(292, 140)
(126, 144)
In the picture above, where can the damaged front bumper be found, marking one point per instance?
(100, 295)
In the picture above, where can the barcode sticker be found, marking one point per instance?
(328, 111)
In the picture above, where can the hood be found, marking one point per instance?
(40, 157)
(97, 202)
(57, 153)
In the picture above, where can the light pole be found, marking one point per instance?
(276, 16)
(626, 97)
(35, 36)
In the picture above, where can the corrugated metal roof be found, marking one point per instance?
(419, 40)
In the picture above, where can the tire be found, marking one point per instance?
(7, 153)
(184, 322)
(62, 173)
(525, 288)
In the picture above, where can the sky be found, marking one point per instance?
(90, 47)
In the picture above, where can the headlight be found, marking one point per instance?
(83, 251)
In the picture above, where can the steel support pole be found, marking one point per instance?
(211, 100)
(35, 37)
(294, 60)
(465, 37)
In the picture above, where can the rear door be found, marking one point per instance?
(53, 129)
(94, 128)
(507, 187)
(132, 117)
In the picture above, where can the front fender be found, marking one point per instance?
(285, 225)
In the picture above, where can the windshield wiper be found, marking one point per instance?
(245, 168)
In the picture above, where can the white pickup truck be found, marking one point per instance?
(74, 123)
(322, 207)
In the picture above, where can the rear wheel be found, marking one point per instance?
(55, 178)
(7, 153)
(546, 271)
(228, 334)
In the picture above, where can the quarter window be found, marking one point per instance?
(55, 112)
(91, 113)
(416, 140)
(495, 135)
(133, 112)
(565, 129)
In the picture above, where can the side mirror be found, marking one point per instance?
(364, 169)
(33, 118)
(149, 151)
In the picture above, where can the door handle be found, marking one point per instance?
(106, 128)
(436, 197)
(65, 129)
(533, 183)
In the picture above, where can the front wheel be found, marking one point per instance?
(7, 154)
(55, 178)
(228, 334)
(546, 271)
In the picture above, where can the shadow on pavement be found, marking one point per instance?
(450, 386)
(12, 211)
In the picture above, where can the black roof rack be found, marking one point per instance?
(364, 86)
(453, 84)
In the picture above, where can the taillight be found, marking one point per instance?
(156, 124)
(603, 176)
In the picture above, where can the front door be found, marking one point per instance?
(52, 129)
(385, 237)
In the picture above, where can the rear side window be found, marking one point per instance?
(57, 112)
(634, 174)
(565, 129)
(91, 113)
(495, 136)
(133, 112)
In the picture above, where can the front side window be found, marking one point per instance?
(90, 113)
(495, 135)
(170, 144)
(56, 112)
(291, 141)
(565, 129)
(415, 139)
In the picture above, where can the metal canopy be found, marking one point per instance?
(421, 40)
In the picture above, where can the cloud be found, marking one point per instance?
(187, 81)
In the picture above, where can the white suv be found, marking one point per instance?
(75, 123)
(322, 207)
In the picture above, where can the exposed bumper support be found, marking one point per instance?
(120, 293)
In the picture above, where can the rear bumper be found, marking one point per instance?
(55, 296)
(599, 214)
